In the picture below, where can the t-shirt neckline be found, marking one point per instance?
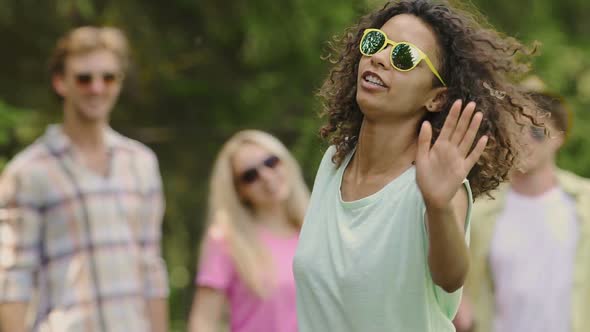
(374, 197)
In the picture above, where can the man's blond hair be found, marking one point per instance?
(87, 39)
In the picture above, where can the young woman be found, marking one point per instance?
(384, 243)
(256, 206)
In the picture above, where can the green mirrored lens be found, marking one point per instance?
(372, 42)
(404, 56)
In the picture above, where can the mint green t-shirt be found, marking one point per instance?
(362, 266)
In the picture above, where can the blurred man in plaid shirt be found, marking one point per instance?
(81, 208)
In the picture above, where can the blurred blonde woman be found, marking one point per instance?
(257, 202)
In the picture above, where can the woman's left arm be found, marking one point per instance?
(448, 256)
(440, 172)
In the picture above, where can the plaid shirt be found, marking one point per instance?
(81, 248)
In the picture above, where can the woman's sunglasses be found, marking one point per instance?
(404, 56)
(85, 79)
(252, 174)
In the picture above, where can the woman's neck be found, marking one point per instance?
(273, 218)
(384, 146)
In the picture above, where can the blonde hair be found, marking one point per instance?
(232, 221)
(87, 39)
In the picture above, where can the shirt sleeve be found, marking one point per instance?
(20, 235)
(215, 267)
(154, 267)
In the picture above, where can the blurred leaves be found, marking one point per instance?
(17, 126)
(83, 8)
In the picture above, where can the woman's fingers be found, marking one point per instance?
(450, 122)
(476, 153)
(424, 139)
(467, 141)
(463, 124)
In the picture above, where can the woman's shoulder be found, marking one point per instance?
(327, 167)
(329, 155)
(329, 159)
(216, 236)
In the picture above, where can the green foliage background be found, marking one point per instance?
(207, 68)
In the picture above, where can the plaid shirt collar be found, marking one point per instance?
(58, 141)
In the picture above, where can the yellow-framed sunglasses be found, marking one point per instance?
(404, 56)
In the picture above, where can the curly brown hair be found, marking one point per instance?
(477, 63)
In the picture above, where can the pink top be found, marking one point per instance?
(250, 313)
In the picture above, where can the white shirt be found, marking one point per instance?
(532, 257)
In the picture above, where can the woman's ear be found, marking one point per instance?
(57, 81)
(435, 99)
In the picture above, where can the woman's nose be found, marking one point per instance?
(381, 58)
(266, 173)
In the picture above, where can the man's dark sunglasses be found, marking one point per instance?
(86, 79)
